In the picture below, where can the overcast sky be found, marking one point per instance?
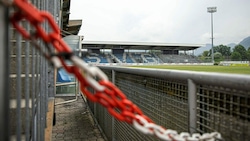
(165, 21)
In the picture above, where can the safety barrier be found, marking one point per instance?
(182, 101)
(27, 79)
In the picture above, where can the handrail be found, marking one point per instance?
(63, 84)
(236, 81)
(68, 101)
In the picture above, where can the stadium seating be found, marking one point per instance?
(129, 59)
(119, 58)
(94, 58)
(178, 58)
(103, 58)
(157, 58)
(63, 76)
(149, 58)
(138, 57)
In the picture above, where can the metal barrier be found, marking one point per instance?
(27, 81)
(181, 100)
(4, 59)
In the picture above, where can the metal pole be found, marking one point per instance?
(27, 86)
(212, 38)
(212, 10)
(192, 104)
(18, 85)
(4, 74)
(113, 120)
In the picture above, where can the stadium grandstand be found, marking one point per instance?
(97, 52)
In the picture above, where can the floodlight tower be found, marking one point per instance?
(212, 10)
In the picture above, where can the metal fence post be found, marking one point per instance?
(113, 120)
(192, 104)
(4, 74)
(27, 86)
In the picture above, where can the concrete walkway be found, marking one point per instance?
(74, 122)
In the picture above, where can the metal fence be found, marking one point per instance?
(27, 80)
(181, 100)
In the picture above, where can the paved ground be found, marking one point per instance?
(74, 123)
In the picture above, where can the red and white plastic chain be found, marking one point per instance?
(106, 93)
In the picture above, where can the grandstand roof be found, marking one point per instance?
(138, 45)
(69, 27)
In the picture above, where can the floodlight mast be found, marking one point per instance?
(212, 10)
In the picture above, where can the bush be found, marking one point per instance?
(216, 63)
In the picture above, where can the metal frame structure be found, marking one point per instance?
(4, 73)
(27, 81)
(138, 45)
(181, 100)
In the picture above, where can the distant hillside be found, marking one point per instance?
(200, 50)
(245, 42)
(232, 45)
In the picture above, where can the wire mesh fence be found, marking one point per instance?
(181, 100)
(29, 79)
(224, 109)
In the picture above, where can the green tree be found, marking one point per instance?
(205, 53)
(236, 56)
(218, 56)
(248, 54)
(224, 50)
(205, 56)
(242, 51)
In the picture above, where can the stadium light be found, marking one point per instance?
(212, 10)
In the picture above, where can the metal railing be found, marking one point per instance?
(181, 100)
(27, 80)
(4, 81)
(68, 89)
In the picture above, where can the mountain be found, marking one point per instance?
(232, 45)
(200, 50)
(246, 42)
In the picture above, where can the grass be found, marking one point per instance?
(220, 69)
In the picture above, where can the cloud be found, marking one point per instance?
(171, 21)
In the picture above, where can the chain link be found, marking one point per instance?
(106, 93)
(150, 128)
